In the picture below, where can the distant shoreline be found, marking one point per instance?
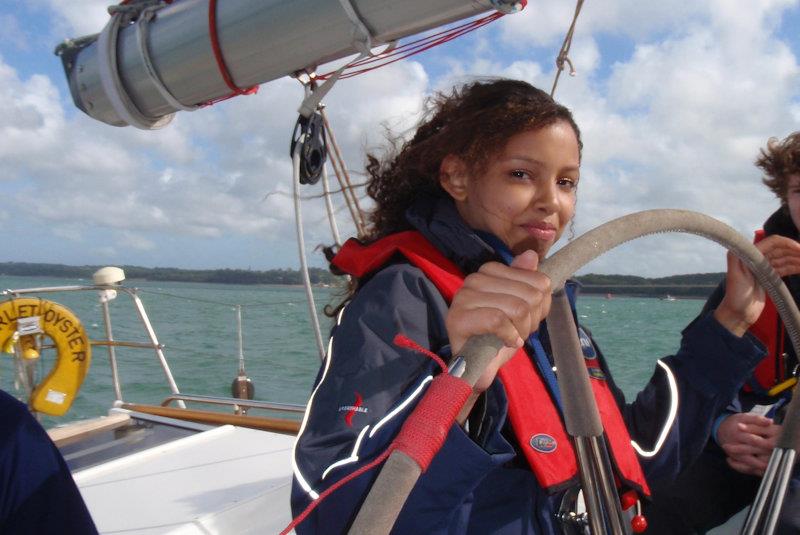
(695, 286)
(283, 277)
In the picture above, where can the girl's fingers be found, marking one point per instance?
(517, 309)
(531, 290)
(519, 297)
(507, 301)
(463, 323)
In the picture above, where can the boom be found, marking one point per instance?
(258, 41)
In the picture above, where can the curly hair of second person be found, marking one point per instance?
(473, 122)
(779, 161)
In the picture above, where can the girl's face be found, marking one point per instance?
(526, 196)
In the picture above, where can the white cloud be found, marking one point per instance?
(106, 252)
(133, 240)
(545, 23)
(78, 17)
(678, 123)
(72, 233)
(696, 89)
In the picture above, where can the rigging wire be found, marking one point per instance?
(343, 176)
(393, 54)
(315, 196)
(221, 303)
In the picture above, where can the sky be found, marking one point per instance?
(674, 99)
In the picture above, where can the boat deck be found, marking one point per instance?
(225, 479)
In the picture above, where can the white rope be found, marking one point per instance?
(562, 54)
(142, 34)
(312, 308)
(329, 207)
(112, 85)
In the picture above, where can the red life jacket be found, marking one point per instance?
(540, 432)
(769, 329)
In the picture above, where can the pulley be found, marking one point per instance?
(309, 132)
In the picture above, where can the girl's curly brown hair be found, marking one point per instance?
(473, 122)
(779, 161)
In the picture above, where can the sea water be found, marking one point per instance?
(197, 325)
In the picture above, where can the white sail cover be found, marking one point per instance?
(260, 40)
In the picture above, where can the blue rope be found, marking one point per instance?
(539, 357)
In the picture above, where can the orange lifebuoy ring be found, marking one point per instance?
(55, 394)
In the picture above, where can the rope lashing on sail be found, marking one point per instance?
(122, 15)
(394, 53)
(563, 57)
(362, 39)
(142, 36)
(423, 433)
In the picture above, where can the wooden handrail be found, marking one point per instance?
(276, 425)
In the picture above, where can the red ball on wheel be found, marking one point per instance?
(639, 524)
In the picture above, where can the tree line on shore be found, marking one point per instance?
(697, 285)
(219, 276)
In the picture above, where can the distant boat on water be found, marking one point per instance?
(668, 298)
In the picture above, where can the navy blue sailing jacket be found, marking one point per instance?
(37, 493)
(477, 483)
